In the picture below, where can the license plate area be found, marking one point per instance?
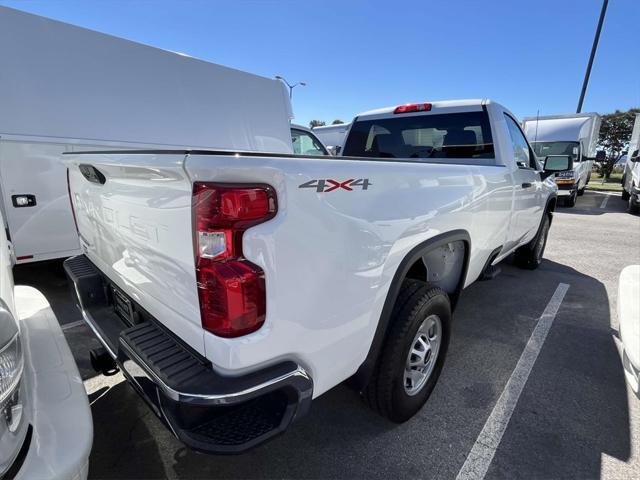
(122, 306)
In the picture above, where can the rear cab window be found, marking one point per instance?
(423, 136)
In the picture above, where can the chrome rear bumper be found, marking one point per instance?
(207, 411)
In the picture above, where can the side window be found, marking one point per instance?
(306, 144)
(521, 151)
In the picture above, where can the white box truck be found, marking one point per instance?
(65, 89)
(332, 136)
(572, 134)
(631, 176)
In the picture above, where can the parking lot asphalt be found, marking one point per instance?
(575, 416)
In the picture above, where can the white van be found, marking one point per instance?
(72, 89)
(631, 176)
(575, 135)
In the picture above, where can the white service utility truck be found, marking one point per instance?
(62, 89)
(333, 136)
(572, 134)
(631, 175)
(232, 286)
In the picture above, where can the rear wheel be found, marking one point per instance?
(530, 255)
(413, 354)
(634, 207)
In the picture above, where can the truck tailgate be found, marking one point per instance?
(133, 213)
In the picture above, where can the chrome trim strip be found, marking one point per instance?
(87, 318)
(215, 399)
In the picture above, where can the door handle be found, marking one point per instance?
(527, 185)
(23, 200)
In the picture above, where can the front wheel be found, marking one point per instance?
(529, 256)
(570, 201)
(413, 354)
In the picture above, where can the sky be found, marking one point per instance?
(356, 55)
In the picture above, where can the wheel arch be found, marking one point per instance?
(409, 268)
(550, 206)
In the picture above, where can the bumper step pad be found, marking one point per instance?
(208, 411)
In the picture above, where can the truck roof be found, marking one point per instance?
(561, 116)
(562, 128)
(71, 83)
(435, 105)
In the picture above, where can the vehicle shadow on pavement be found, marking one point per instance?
(572, 411)
(590, 204)
(574, 408)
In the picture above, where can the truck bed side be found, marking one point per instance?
(329, 255)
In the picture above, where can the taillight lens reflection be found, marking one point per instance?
(231, 289)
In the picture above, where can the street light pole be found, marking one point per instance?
(593, 54)
(291, 87)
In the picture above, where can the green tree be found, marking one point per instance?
(316, 123)
(337, 122)
(615, 133)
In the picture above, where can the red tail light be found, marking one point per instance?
(230, 288)
(413, 107)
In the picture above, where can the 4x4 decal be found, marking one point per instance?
(327, 185)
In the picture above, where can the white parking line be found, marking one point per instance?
(604, 201)
(612, 194)
(481, 455)
(68, 326)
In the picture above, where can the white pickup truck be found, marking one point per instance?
(232, 287)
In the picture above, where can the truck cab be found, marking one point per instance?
(305, 142)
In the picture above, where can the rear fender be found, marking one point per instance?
(360, 379)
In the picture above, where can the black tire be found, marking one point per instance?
(634, 208)
(625, 195)
(570, 201)
(386, 392)
(530, 255)
(581, 191)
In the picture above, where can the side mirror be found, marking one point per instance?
(556, 163)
